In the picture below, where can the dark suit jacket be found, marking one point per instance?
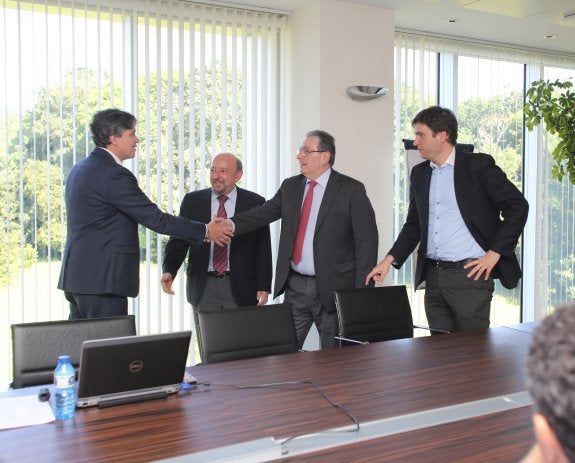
(345, 240)
(493, 209)
(105, 205)
(250, 255)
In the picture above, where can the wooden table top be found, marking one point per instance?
(373, 382)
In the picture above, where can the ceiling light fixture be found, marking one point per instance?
(550, 36)
(569, 15)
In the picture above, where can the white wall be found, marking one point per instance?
(335, 44)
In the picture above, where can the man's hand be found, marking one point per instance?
(262, 297)
(483, 265)
(379, 272)
(166, 281)
(219, 231)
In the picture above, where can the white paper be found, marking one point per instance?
(24, 411)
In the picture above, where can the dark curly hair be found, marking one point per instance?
(438, 119)
(551, 367)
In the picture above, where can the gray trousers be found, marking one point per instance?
(454, 302)
(302, 294)
(217, 295)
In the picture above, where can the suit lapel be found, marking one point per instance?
(461, 186)
(241, 204)
(425, 190)
(331, 189)
(206, 205)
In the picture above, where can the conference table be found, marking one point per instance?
(456, 397)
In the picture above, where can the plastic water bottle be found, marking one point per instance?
(64, 389)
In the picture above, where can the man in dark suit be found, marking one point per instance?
(245, 276)
(100, 266)
(329, 247)
(466, 217)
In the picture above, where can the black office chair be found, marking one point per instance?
(247, 332)
(36, 346)
(375, 314)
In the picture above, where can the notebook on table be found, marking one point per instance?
(131, 369)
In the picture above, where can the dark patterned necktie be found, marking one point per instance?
(221, 252)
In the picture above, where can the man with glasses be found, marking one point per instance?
(328, 238)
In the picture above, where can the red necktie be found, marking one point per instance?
(302, 224)
(221, 252)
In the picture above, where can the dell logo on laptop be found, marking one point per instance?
(136, 366)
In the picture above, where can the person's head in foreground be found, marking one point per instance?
(551, 368)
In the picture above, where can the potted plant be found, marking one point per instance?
(554, 104)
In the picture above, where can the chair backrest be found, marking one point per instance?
(36, 346)
(374, 314)
(247, 332)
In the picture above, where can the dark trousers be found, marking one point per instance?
(302, 294)
(217, 295)
(455, 302)
(96, 305)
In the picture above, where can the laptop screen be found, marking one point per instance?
(131, 368)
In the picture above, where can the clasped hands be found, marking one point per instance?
(220, 231)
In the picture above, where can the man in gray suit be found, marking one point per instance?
(328, 240)
(100, 265)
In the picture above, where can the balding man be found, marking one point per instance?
(221, 277)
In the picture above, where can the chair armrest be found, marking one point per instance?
(355, 341)
(434, 330)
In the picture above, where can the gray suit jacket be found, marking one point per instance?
(345, 241)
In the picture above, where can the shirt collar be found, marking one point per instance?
(116, 158)
(449, 161)
(232, 195)
(322, 179)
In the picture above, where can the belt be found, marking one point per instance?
(293, 272)
(448, 264)
(218, 275)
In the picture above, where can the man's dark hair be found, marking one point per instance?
(551, 366)
(110, 122)
(438, 119)
(326, 142)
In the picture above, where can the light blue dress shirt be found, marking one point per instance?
(448, 238)
(306, 265)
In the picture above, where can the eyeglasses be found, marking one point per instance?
(306, 151)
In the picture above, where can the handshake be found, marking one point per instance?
(220, 231)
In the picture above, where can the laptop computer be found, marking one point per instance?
(129, 369)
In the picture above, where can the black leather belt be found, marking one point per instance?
(448, 264)
(218, 275)
(293, 272)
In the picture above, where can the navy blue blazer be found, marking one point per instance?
(345, 240)
(250, 255)
(492, 207)
(104, 206)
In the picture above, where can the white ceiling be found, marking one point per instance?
(515, 22)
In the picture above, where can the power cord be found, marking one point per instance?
(306, 382)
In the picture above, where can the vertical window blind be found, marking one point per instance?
(201, 79)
